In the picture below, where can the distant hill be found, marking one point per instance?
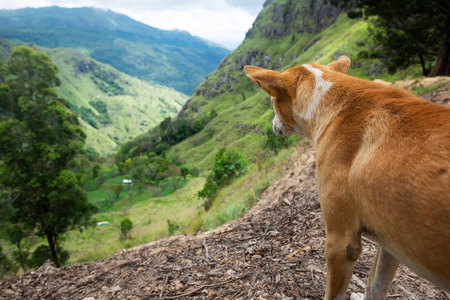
(113, 107)
(171, 58)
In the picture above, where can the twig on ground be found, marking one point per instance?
(206, 248)
(358, 281)
(408, 293)
(164, 287)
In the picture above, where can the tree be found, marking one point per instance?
(172, 172)
(116, 189)
(208, 192)
(151, 171)
(39, 139)
(229, 164)
(184, 172)
(125, 227)
(412, 28)
(138, 167)
(95, 171)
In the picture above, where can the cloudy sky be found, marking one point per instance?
(221, 21)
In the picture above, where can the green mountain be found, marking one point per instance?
(171, 58)
(285, 33)
(113, 107)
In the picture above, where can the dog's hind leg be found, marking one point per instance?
(341, 252)
(381, 275)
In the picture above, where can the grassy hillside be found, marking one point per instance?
(286, 33)
(244, 110)
(170, 58)
(113, 107)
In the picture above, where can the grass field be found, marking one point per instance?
(149, 216)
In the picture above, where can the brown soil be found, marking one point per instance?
(275, 251)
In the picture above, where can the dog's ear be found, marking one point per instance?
(342, 64)
(270, 81)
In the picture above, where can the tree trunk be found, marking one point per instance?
(442, 67)
(424, 68)
(52, 246)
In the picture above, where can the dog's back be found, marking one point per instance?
(399, 174)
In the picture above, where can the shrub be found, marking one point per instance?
(42, 254)
(128, 244)
(125, 227)
(208, 192)
(229, 164)
(6, 265)
(172, 226)
(195, 172)
(275, 142)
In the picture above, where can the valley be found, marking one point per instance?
(155, 113)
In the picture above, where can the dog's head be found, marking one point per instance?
(296, 93)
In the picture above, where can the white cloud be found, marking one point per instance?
(222, 21)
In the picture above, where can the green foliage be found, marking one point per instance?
(229, 164)
(172, 172)
(89, 116)
(16, 234)
(6, 265)
(275, 142)
(128, 244)
(208, 192)
(184, 172)
(125, 227)
(43, 253)
(420, 90)
(95, 171)
(172, 226)
(162, 137)
(38, 144)
(352, 14)
(104, 81)
(138, 167)
(116, 189)
(195, 172)
(417, 30)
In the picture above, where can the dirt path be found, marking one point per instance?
(276, 251)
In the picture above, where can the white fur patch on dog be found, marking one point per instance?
(321, 88)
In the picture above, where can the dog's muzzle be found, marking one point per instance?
(277, 127)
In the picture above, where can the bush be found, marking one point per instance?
(6, 265)
(208, 192)
(42, 254)
(229, 164)
(275, 142)
(195, 172)
(172, 226)
(128, 244)
(125, 227)
(355, 14)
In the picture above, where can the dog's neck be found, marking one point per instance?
(320, 110)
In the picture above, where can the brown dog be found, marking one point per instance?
(383, 170)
